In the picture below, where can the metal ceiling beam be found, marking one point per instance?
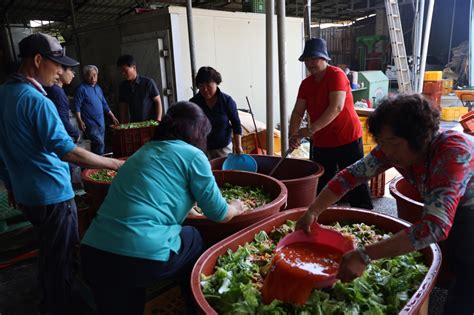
(75, 8)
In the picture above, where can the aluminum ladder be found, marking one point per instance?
(398, 46)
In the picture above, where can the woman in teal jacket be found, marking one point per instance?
(137, 238)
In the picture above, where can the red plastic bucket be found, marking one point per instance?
(299, 176)
(212, 232)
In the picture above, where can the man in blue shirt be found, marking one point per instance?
(138, 95)
(58, 96)
(90, 106)
(34, 149)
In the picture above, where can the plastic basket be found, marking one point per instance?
(168, 302)
(125, 142)
(257, 6)
(447, 86)
(434, 99)
(433, 75)
(430, 87)
(367, 140)
(467, 122)
(10, 219)
(249, 143)
(453, 113)
(377, 185)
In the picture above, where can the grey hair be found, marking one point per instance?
(89, 68)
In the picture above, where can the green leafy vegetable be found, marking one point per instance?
(103, 175)
(251, 196)
(140, 124)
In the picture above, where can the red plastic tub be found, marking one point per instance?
(96, 191)
(213, 232)
(409, 205)
(299, 176)
(207, 261)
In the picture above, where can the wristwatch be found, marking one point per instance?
(363, 254)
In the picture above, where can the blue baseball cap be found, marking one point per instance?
(315, 48)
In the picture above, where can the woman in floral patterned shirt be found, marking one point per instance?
(441, 166)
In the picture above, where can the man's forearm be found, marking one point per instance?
(84, 158)
(159, 108)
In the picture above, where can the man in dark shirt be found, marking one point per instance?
(138, 95)
(58, 96)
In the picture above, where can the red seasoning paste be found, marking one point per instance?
(295, 270)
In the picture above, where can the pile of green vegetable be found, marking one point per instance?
(384, 288)
(141, 124)
(252, 197)
(103, 175)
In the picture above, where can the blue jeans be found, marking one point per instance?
(56, 226)
(118, 282)
(96, 136)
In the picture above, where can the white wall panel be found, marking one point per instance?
(234, 44)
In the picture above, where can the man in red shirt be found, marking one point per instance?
(334, 125)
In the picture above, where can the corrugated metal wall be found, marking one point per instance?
(341, 43)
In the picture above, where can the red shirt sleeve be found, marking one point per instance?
(338, 81)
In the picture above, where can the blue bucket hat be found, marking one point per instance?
(315, 48)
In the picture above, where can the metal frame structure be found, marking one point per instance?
(93, 11)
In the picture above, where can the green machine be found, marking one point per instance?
(373, 86)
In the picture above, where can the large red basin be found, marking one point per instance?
(207, 261)
(213, 232)
(299, 176)
(409, 205)
(96, 191)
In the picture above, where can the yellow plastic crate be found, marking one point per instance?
(367, 139)
(433, 76)
(447, 86)
(453, 113)
(368, 148)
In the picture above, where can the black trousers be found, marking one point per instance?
(460, 258)
(56, 226)
(118, 282)
(335, 160)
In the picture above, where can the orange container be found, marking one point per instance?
(377, 186)
(467, 122)
(434, 99)
(430, 87)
